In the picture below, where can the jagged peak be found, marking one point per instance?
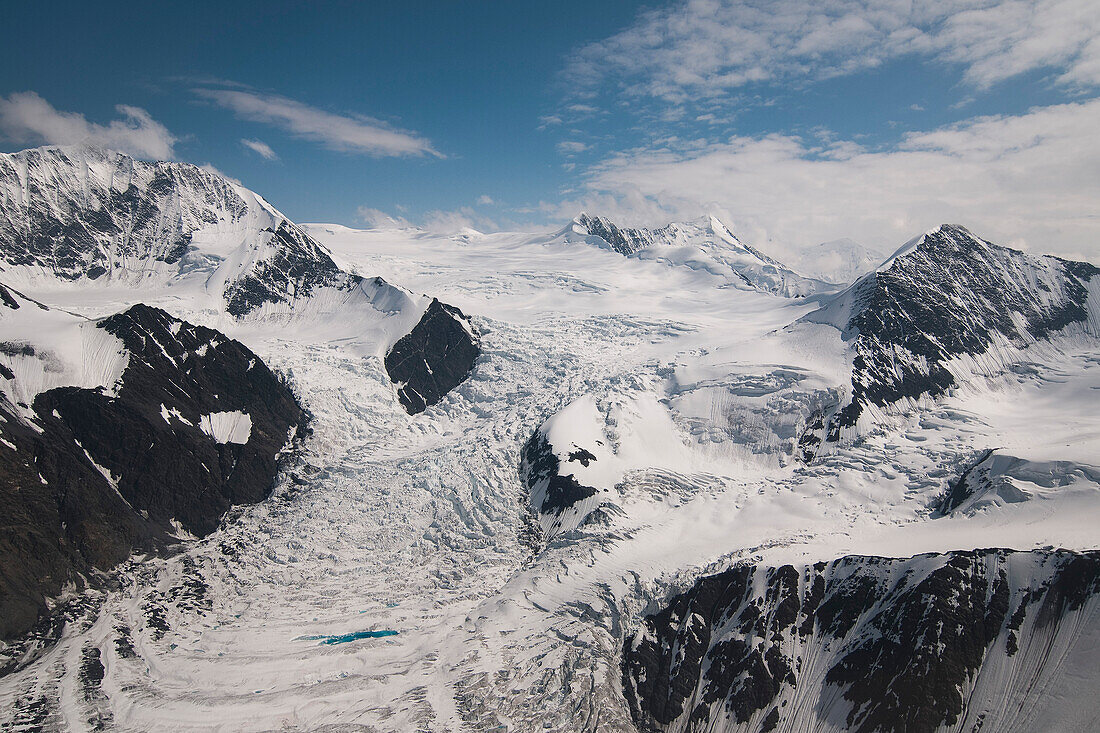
(705, 243)
(588, 222)
(929, 240)
(88, 152)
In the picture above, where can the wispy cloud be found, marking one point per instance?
(706, 48)
(572, 147)
(26, 118)
(1029, 179)
(458, 220)
(350, 133)
(378, 219)
(438, 221)
(260, 148)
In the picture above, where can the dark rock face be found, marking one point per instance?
(623, 240)
(963, 487)
(433, 358)
(540, 464)
(298, 266)
(180, 472)
(954, 294)
(60, 518)
(739, 649)
(94, 476)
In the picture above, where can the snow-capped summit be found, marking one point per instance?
(87, 214)
(73, 218)
(705, 244)
(947, 297)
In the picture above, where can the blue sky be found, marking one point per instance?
(795, 121)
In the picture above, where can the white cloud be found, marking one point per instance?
(438, 221)
(458, 220)
(338, 132)
(260, 148)
(26, 118)
(378, 219)
(572, 147)
(485, 200)
(707, 48)
(1029, 180)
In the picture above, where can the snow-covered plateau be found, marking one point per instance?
(596, 479)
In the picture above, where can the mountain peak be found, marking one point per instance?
(943, 295)
(944, 239)
(705, 244)
(88, 213)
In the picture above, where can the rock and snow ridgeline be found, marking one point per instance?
(89, 217)
(706, 245)
(962, 641)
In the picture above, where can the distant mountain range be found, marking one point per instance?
(706, 245)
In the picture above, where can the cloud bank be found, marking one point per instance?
(28, 119)
(708, 48)
(1028, 180)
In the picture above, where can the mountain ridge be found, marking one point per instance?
(945, 295)
(705, 244)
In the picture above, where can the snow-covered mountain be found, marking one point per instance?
(958, 641)
(85, 213)
(144, 426)
(123, 434)
(74, 219)
(666, 498)
(706, 245)
(947, 307)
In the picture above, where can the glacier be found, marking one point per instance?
(696, 396)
